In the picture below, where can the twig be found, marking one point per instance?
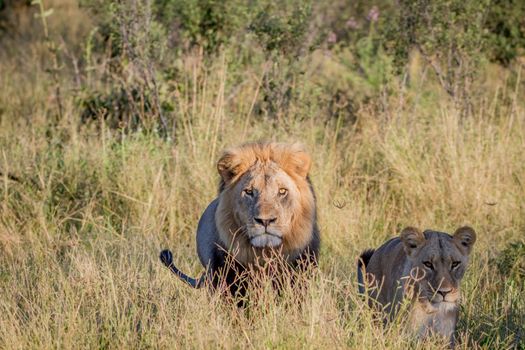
(438, 71)
(53, 49)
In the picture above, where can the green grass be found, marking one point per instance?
(81, 232)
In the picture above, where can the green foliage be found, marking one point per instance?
(439, 25)
(282, 29)
(505, 30)
(351, 21)
(120, 109)
(134, 42)
(449, 35)
(128, 32)
(374, 42)
(355, 77)
(207, 23)
(373, 63)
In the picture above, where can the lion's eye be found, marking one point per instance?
(455, 264)
(283, 191)
(248, 192)
(428, 264)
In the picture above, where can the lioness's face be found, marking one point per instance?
(438, 261)
(265, 200)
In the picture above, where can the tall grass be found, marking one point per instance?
(81, 230)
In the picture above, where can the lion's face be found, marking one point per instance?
(438, 262)
(266, 201)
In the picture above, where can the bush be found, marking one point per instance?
(280, 30)
(505, 27)
(134, 44)
(206, 23)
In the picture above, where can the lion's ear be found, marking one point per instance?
(230, 165)
(297, 160)
(465, 237)
(303, 163)
(412, 239)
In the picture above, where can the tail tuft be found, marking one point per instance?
(166, 256)
(364, 258)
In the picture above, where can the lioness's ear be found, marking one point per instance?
(230, 165)
(412, 239)
(465, 237)
(296, 159)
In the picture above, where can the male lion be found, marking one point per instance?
(425, 267)
(266, 207)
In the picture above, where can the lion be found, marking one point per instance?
(266, 207)
(427, 268)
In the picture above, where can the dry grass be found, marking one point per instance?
(80, 236)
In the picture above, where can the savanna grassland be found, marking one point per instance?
(113, 115)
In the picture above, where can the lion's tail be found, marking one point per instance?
(362, 262)
(167, 259)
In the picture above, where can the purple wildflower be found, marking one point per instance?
(352, 23)
(373, 14)
(332, 38)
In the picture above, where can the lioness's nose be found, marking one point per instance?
(265, 222)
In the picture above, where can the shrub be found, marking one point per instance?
(136, 43)
(206, 23)
(505, 30)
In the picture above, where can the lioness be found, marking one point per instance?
(425, 267)
(266, 206)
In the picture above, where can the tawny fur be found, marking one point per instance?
(266, 206)
(426, 268)
(254, 159)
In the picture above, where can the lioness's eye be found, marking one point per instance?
(428, 264)
(283, 191)
(455, 264)
(248, 191)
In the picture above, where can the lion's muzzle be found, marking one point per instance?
(266, 240)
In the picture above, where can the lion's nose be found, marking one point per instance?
(444, 291)
(265, 222)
